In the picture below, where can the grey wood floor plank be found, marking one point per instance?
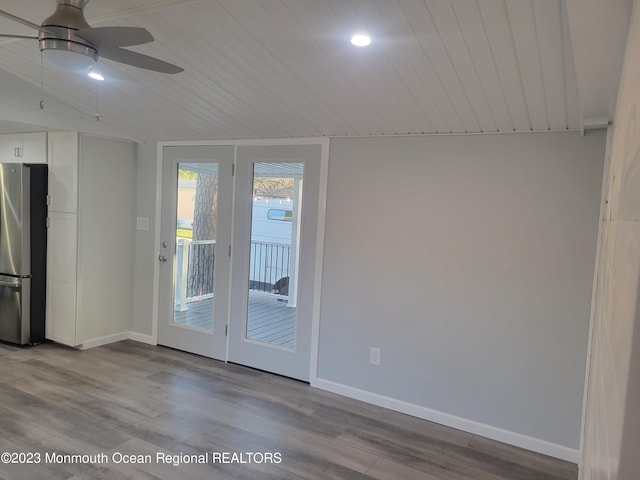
(532, 460)
(283, 435)
(384, 469)
(161, 470)
(133, 398)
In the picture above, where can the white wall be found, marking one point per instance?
(469, 260)
(612, 422)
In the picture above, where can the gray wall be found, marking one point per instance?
(469, 260)
(144, 258)
(105, 199)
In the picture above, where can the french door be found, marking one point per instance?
(275, 226)
(197, 189)
(238, 280)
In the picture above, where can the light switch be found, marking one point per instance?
(142, 223)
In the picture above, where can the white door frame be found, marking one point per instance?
(322, 206)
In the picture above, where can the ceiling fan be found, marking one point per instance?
(72, 44)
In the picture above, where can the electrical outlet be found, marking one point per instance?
(375, 356)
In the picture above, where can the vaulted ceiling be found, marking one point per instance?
(285, 68)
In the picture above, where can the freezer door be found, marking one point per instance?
(14, 220)
(15, 309)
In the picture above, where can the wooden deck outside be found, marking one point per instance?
(270, 321)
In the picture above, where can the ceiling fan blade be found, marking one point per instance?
(138, 60)
(16, 36)
(114, 37)
(26, 23)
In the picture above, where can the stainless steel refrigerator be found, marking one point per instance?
(23, 247)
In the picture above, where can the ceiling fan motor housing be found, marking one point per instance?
(66, 21)
(69, 43)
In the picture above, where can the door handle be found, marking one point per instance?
(162, 258)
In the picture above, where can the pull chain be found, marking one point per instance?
(97, 91)
(41, 82)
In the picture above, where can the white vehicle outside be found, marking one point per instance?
(271, 230)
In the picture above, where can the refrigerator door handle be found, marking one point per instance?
(10, 283)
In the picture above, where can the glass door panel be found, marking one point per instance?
(273, 253)
(196, 228)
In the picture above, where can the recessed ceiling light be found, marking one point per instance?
(361, 40)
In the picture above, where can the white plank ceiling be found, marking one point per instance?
(285, 68)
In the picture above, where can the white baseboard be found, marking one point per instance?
(97, 342)
(116, 337)
(470, 426)
(139, 337)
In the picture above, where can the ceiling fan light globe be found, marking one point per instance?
(68, 56)
(96, 75)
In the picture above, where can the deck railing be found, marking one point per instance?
(269, 262)
(195, 259)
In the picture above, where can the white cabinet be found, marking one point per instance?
(63, 171)
(23, 147)
(62, 241)
(90, 239)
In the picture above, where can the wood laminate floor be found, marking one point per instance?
(159, 404)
